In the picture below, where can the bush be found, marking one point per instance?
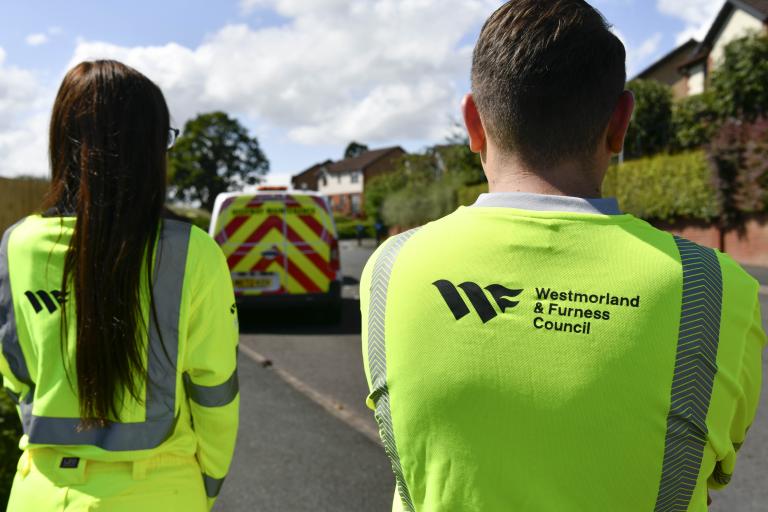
(421, 203)
(665, 187)
(434, 175)
(468, 195)
(347, 227)
(740, 83)
(10, 433)
(694, 121)
(650, 131)
(198, 217)
(739, 157)
(379, 188)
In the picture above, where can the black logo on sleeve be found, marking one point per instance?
(69, 462)
(48, 300)
(477, 297)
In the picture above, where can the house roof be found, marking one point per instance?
(361, 161)
(311, 169)
(700, 53)
(689, 47)
(757, 8)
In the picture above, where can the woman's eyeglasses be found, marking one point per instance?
(173, 135)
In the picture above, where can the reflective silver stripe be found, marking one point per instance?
(213, 396)
(695, 369)
(9, 337)
(212, 485)
(377, 357)
(170, 263)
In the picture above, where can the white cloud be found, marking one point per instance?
(698, 15)
(248, 6)
(639, 55)
(642, 54)
(370, 70)
(37, 39)
(23, 122)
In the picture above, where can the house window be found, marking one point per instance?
(355, 178)
(338, 179)
(325, 181)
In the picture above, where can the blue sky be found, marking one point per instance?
(305, 76)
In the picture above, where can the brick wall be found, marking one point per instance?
(748, 245)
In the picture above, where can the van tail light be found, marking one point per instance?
(335, 257)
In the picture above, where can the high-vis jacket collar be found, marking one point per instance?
(547, 203)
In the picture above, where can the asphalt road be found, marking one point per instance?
(293, 453)
(307, 442)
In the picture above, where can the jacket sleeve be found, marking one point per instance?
(210, 373)
(750, 379)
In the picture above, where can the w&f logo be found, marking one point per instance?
(51, 300)
(477, 297)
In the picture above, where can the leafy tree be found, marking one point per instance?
(740, 83)
(427, 185)
(694, 121)
(379, 188)
(459, 159)
(651, 129)
(216, 154)
(355, 149)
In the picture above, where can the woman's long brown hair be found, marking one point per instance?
(108, 140)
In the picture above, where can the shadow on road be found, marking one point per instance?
(300, 320)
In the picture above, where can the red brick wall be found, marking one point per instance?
(748, 246)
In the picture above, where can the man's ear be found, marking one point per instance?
(617, 128)
(474, 125)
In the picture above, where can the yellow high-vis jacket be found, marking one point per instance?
(191, 399)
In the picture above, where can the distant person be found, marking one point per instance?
(541, 351)
(118, 328)
(359, 232)
(379, 228)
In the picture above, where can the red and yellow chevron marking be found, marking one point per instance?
(299, 239)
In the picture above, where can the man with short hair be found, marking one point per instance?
(540, 350)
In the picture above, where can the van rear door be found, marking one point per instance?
(311, 239)
(251, 231)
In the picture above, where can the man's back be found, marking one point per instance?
(524, 359)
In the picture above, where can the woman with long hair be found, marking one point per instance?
(118, 327)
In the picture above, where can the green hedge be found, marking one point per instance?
(665, 187)
(418, 204)
(198, 217)
(347, 228)
(10, 433)
(468, 195)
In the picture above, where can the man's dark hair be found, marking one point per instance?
(546, 77)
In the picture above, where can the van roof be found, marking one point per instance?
(288, 192)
